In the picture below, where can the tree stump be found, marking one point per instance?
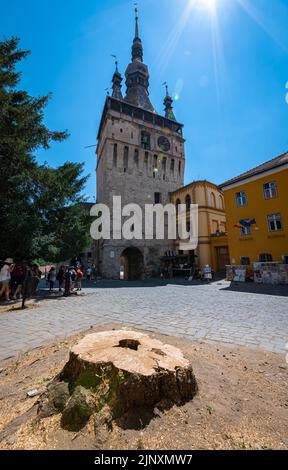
(119, 371)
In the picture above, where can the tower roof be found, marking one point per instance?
(117, 83)
(168, 101)
(137, 75)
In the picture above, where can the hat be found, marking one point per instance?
(9, 261)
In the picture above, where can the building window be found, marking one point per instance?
(241, 199)
(178, 202)
(126, 154)
(179, 168)
(115, 152)
(145, 140)
(221, 202)
(246, 231)
(155, 162)
(172, 166)
(121, 130)
(270, 190)
(223, 227)
(213, 200)
(285, 259)
(188, 202)
(265, 258)
(146, 160)
(164, 164)
(274, 222)
(89, 254)
(245, 260)
(136, 157)
(214, 226)
(157, 198)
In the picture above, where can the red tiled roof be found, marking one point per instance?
(270, 165)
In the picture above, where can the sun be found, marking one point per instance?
(209, 4)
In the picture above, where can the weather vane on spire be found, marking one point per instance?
(136, 10)
(116, 61)
(136, 19)
(166, 86)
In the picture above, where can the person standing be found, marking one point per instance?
(60, 277)
(88, 273)
(5, 278)
(52, 278)
(79, 274)
(17, 279)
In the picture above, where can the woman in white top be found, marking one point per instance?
(5, 277)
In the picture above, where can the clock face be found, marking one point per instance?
(164, 144)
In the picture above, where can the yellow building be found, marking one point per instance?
(213, 244)
(257, 213)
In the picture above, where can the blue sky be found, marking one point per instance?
(227, 68)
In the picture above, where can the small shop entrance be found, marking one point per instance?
(131, 264)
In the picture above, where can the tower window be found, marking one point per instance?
(126, 155)
(164, 162)
(179, 168)
(115, 153)
(145, 140)
(188, 202)
(172, 166)
(136, 157)
(157, 198)
(121, 130)
(146, 160)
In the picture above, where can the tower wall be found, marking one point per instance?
(133, 178)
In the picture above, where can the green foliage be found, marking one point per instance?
(41, 215)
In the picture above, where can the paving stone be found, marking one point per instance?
(197, 312)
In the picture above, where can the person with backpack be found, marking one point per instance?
(73, 277)
(79, 274)
(17, 280)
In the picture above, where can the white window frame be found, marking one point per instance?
(270, 192)
(274, 218)
(245, 231)
(241, 196)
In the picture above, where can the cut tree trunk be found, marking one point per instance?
(120, 370)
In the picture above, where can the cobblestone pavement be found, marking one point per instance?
(206, 312)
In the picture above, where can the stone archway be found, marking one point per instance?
(132, 264)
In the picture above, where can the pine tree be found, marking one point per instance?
(35, 200)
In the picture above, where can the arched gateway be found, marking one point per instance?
(131, 264)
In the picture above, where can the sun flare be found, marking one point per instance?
(209, 4)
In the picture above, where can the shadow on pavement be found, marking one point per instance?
(252, 288)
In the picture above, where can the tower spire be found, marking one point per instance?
(168, 101)
(136, 21)
(137, 48)
(117, 82)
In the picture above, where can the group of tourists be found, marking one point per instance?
(69, 278)
(65, 273)
(18, 279)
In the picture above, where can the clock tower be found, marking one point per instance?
(140, 157)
